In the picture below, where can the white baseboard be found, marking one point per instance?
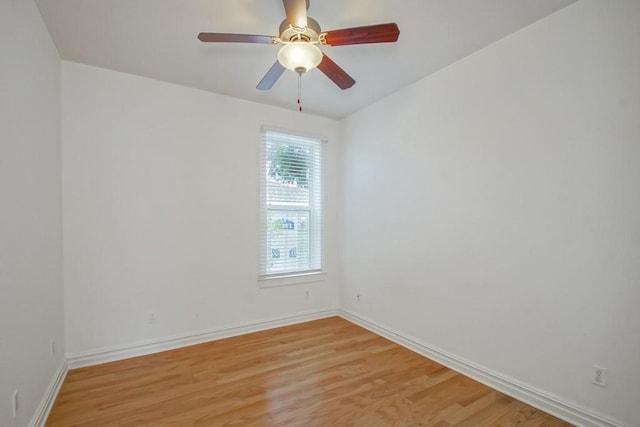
(553, 405)
(44, 407)
(89, 358)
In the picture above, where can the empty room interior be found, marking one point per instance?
(427, 215)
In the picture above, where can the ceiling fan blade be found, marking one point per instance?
(271, 77)
(296, 12)
(335, 73)
(235, 38)
(381, 33)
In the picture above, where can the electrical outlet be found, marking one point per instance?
(14, 403)
(53, 348)
(153, 317)
(306, 294)
(358, 297)
(599, 376)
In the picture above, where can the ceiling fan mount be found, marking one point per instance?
(301, 38)
(288, 33)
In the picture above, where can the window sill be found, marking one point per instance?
(291, 279)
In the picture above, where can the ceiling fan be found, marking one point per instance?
(300, 37)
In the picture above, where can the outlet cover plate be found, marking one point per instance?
(599, 376)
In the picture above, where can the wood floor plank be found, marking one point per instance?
(328, 372)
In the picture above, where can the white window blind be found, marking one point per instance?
(291, 205)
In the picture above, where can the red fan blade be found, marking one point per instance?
(335, 73)
(296, 12)
(382, 33)
(271, 77)
(235, 38)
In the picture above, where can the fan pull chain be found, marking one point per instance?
(300, 91)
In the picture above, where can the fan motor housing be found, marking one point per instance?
(289, 33)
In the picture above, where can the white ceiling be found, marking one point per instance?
(157, 39)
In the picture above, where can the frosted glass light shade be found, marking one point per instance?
(300, 56)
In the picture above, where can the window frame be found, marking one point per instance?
(285, 278)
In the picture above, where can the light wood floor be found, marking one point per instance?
(323, 373)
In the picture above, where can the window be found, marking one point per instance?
(291, 204)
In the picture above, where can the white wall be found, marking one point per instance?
(161, 210)
(492, 210)
(31, 297)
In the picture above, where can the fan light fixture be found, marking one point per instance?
(300, 37)
(300, 56)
